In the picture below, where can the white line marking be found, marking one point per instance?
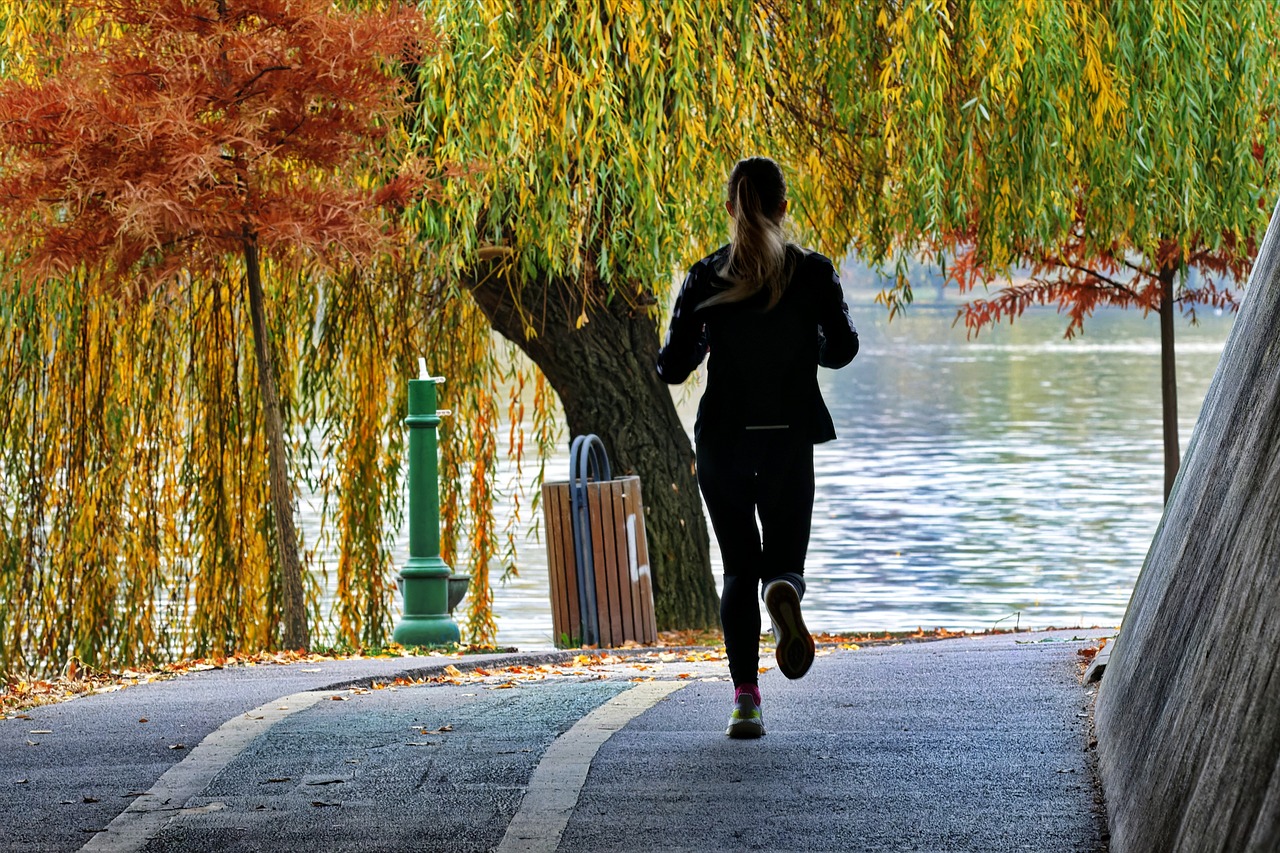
(632, 560)
(144, 818)
(557, 781)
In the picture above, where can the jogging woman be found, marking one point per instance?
(769, 313)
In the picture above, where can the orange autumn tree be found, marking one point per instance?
(179, 138)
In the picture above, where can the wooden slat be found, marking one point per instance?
(568, 623)
(574, 622)
(642, 559)
(626, 588)
(559, 563)
(597, 558)
(553, 554)
(643, 599)
(613, 579)
(599, 546)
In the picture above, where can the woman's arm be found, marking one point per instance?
(686, 344)
(837, 338)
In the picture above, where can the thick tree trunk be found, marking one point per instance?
(297, 634)
(1168, 381)
(605, 377)
(1187, 717)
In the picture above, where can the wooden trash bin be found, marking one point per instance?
(620, 562)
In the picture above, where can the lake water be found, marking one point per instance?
(1015, 478)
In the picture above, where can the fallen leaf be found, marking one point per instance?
(447, 727)
(144, 720)
(340, 698)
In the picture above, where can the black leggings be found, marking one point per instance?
(770, 472)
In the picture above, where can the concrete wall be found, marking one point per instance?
(1188, 713)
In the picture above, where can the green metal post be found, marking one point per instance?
(425, 578)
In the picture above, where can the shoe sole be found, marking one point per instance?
(795, 645)
(744, 729)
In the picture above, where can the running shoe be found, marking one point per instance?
(746, 721)
(795, 644)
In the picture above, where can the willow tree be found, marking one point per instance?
(600, 134)
(172, 142)
(1109, 147)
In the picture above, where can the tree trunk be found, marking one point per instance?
(605, 376)
(1168, 381)
(1187, 718)
(297, 634)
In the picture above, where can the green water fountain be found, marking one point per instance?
(425, 580)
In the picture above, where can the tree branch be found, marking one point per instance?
(1110, 282)
(240, 93)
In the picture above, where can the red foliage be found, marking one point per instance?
(1078, 278)
(184, 128)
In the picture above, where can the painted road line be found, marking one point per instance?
(557, 781)
(144, 818)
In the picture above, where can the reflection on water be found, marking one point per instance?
(1017, 473)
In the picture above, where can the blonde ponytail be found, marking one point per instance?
(758, 258)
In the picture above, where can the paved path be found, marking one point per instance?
(959, 745)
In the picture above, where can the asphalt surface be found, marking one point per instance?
(971, 744)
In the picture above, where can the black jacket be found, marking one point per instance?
(763, 370)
